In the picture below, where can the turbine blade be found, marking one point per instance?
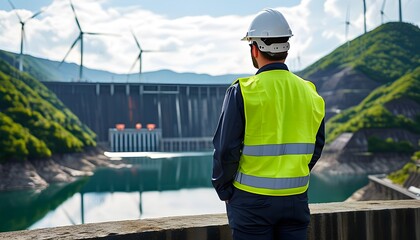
(348, 14)
(33, 16)
(105, 34)
(14, 8)
(383, 6)
(140, 60)
(36, 14)
(134, 64)
(75, 16)
(152, 51)
(68, 52)
(135, 39)
(11, 4)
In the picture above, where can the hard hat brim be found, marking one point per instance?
(249, 38)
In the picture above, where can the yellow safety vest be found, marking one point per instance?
(282, 116)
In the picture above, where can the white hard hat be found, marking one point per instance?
(269, 23)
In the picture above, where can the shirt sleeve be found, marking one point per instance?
(228, 142)
(319, 145)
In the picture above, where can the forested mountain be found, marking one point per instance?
(352, 71)
(34, 123)
(372, 82)
(393, 105)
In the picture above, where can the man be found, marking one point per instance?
(270, 135)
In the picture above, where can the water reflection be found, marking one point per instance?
(153, 175)
(148, 175)
(150, 188)
(334, 188)
(20, 209)
(116, 194)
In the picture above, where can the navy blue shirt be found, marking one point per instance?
(229, 137)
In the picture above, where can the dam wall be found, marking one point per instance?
(385, 220)
(181, 111)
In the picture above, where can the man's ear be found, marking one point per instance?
(255, 52)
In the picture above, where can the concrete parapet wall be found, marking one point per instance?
(389, 190)
(370, 220)
(391, 220)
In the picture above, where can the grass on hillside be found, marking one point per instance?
(371, 112)
(34, 123)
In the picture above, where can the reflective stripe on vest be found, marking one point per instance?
(271, 183)
(279, 149)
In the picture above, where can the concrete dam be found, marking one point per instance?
(179, 110)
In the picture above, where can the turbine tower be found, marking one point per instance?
(139, 57)
(400, 11)
(364, 14)
(382, 11)
(22, 32)
(79, 38)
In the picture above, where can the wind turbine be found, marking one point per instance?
(79, 38)
(141, 51)
(22, 32)
(347, 23)
(382, 11)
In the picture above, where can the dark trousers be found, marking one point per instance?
(252, 216)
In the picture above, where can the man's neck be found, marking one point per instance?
(265, 62)
(273, 66)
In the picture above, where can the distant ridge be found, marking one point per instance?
(48, 70)
(352, 71)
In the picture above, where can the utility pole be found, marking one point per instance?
(399, 3)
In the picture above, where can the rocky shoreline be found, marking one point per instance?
(38, 174)
(372, 164)
(367, 193)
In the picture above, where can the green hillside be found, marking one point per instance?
(33, 122)
(372, 111)
(372, 82)
(384, 54)
(34, 66)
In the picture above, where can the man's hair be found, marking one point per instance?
(273, 56)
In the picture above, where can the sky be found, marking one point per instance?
(185, 35)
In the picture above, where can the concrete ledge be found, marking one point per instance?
(397, 219)
(370, 220)
(390, 190)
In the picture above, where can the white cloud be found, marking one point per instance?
(202, 44)
(331, 7)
